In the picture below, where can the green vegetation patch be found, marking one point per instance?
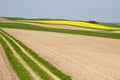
(22, 73)
(106, 34)
(14, 18)
(111, 25)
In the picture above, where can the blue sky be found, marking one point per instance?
(98, 10)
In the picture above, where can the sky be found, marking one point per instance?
(97, 10)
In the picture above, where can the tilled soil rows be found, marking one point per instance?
(82, 57)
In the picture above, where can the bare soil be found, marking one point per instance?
(6, 71)
(4, 20)
(82, 57)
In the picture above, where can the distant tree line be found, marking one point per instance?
(95, 22)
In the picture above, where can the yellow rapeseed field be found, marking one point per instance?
(74, 23)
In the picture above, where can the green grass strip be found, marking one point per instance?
(111, 25)
(78, 32)
(29, 61)
(48, 65)
(22, 73)
(14, 18)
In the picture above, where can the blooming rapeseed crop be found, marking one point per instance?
(74, 23)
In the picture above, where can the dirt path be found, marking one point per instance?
(6, 71)
(82, 57)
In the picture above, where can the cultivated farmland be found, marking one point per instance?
(31, 65)
(57, 51)
(82, 57)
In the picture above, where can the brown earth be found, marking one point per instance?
(4, 20)
(82, 57)
(6, 71)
